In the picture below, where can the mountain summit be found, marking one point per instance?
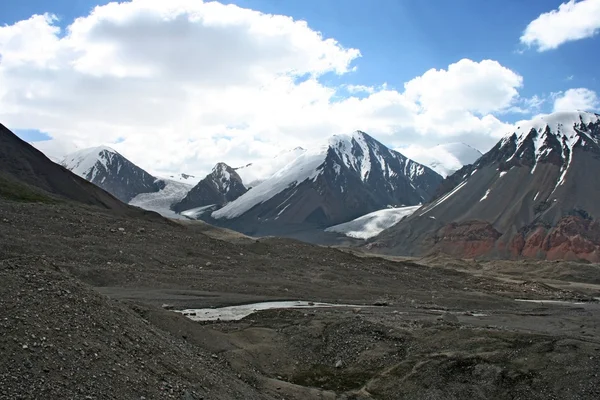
(534, 194)
(111, 171)
(350, 176)
(219, 187)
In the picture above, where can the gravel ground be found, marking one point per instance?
(81, 317)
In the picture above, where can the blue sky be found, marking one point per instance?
(399, 40)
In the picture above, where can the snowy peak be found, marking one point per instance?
(218, 188)
(366, 156)
(552, 138)
(223, 176)
(111, 171)
(87, 162)
(350, 175)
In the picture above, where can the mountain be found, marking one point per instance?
(112, 172)
(445, 159)
(219, 187)
(26, 174)
(350, 176)
(254, 173)
(534, 194)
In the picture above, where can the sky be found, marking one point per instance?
(179, 85)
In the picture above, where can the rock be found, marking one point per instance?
(448, 317)
(356, 310)
(208, 263)
(121, 229)
(381, 303)
(168, 306)
(141, 230)
(339, 364)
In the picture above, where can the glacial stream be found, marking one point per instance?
(235, 313)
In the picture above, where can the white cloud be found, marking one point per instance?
(576, 99)
(178, 86)
(572, 21)
(479, 87)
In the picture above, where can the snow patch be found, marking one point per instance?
(195, 213)
(372, 224)
(485, 196)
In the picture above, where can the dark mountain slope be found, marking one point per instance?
(21, 163)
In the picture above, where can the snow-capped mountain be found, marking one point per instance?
(350, 176)
(254, 173)
(111, 171)
(535, 194)
(219, 187)
(445, 159)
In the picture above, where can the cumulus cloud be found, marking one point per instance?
(479, 87)
(576, 99)
(178, 86)
(572, 21)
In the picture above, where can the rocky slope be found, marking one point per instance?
(349, 177)
(534, 194)
(220, 187)
(26, 174)
(112, 172)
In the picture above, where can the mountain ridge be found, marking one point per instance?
(536, 178)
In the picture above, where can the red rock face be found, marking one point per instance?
(468, 239)
(573, 238)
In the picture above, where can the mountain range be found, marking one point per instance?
(534, 194)
(347, 177)
(350, 176)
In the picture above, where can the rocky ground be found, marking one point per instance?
(82, 316)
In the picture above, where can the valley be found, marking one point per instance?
(299, 200)
(420, 328)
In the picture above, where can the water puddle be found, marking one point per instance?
(566, 302)
(235, 313)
